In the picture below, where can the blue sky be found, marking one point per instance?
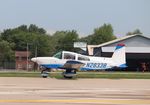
(80, 15)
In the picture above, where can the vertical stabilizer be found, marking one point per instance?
(119, 56)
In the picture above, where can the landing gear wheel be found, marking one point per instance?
(69, 73)
(67, 77)
(44, 73)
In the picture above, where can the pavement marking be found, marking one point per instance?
(113, 101)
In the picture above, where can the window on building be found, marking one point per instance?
(19, 66)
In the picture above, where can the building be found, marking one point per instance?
(137, 50)
(22, 60)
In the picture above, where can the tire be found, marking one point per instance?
(44, 76)
(44, 73)
(67, 77)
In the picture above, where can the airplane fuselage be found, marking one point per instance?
(90, 63)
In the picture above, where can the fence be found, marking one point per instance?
(7, 65)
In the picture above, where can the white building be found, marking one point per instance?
(137, 50)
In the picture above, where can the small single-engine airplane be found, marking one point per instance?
(71, 61)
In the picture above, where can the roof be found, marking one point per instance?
(91, 47)
(119, 39)
(22, 53)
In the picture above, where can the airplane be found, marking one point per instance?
(71, 61)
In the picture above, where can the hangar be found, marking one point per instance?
(137, 51)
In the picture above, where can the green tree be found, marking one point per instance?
(33, 35)
(43, 45)
(64, 40)
(35, 29)
(54, 43)
(6, 53)
(101, 34)
(86, 39)
(136, 31)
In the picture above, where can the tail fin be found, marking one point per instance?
(119, 56)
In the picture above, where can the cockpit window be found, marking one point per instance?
(83, 58)
(69, 56)
(58, 55)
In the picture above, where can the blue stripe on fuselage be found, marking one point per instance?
(88, 66)
(123, 66)
(55, 66)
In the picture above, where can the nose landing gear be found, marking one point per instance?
(45, 72)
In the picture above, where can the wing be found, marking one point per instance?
(71, 64)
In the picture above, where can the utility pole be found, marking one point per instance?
(27, 56)
(36, 51)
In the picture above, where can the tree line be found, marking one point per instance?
(43, 44)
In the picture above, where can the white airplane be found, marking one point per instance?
(72, 61)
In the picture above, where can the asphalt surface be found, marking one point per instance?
(50, 91)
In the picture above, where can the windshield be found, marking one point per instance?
(58, 55)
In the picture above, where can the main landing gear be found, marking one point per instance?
(69, 73)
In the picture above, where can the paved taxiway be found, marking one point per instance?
(40, 91)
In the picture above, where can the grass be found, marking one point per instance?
(19, 74)
(116, 75)
(109, 75)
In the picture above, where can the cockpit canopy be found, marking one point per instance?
(70, 55)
